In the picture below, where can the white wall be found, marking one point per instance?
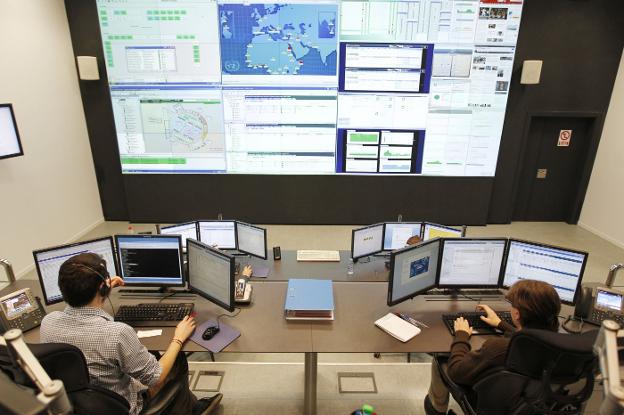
(603, 210)
(49, 196)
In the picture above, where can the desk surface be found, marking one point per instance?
(264, 329)
(288, 268)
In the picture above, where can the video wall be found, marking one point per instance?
(377, 87)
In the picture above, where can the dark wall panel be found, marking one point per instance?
(307, 199)
(580, 42)
(86, 40)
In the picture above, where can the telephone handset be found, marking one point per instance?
(20, 310)
(584, 303)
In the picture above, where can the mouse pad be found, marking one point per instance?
(225, 336)
(260, 271)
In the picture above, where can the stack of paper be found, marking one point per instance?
(397, 327)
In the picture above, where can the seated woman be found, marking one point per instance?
(534, 304)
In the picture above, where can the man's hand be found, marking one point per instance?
(116, 282)
(247, 271)
(491, 318)
(185, 328)
(461, 324)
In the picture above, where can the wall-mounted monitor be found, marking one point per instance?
(10, 143)
(331, 87)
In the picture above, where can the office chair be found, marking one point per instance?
(540, 367)
(67, 363)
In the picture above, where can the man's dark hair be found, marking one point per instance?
(78, 282)
(538, 303)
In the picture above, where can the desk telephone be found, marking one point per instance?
(20, 310)
(607, 304)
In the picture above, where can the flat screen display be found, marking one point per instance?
(413, 270)
(10, 144)
(318, 87)
(560, 267)
(49, 260)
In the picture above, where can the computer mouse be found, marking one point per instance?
(210, 332)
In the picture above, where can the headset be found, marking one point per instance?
(105, 289)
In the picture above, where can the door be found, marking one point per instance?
(551, 176)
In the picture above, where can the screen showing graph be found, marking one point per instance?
(361, 87)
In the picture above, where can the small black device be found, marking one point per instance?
(153, 314)
(277, 253)
(474, 319)
(20, 310)
(210, 332)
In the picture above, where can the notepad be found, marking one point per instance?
(397, 327)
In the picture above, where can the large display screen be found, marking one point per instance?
(403, 87)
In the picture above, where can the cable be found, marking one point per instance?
(468, 297)
(570, 329)
(167, 296)
(228, 315)
(111, 304)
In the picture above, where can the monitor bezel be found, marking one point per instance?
(543, 245)
(400, 223)
(159, 229)
(422, 234)
(264, 231)
(151, 284)
(393, 256)
(232, 306)
(471, 286)
(64, 246)
(17, 134)
(383, 235)
(199, 222)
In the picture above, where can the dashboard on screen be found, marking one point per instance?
(368, 87)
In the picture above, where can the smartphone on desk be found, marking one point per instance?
(239, 292)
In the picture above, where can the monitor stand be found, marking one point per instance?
(156, 292)
(458, 294)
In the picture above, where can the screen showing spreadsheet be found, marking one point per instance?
(562, 268)
(48, 262)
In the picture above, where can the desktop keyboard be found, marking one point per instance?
(153, 314)
(473, 317)
(318, 256)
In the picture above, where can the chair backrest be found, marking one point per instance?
(538, 367)
(67, 363)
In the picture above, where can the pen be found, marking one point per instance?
(412, 321)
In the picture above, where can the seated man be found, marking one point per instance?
(115, 357)
(534, 304)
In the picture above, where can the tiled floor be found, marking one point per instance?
(273, 383)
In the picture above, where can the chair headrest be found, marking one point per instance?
(531, 350)
(60, 361)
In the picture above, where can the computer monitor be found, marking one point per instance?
(48, 261)
(221, 234)
(474, 262)
(150, 260)
(433, 230)
(186, 230)
(367, 241)
(560, 267)
(251, 239)
(396, 234)
(10, 144)
(211, 274)
(413, 270)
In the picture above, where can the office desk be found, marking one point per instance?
(288, 267)
(264, 329)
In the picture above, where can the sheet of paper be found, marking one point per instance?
(149, 333)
